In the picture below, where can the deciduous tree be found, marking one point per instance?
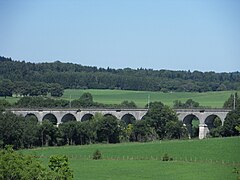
(158, 116)
(108, 129)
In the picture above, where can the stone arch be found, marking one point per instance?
(32, 116)
(128, 118)
(51, 117)
(191, 122)
(68, 117)
(188, 118)
(109, 114)
(212, 121)
(87, 117)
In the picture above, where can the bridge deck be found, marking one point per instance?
(74, 109)
(117, 109)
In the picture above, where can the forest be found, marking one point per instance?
(25, 78)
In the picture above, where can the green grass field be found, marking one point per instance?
(193, 159)
(11, 99)
(212, 99)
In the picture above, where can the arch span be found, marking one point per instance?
(128, 118)
(87, 117)
(213, 121)
(51, 117)
(68, 117)
(109, 114)
(188, 118)
(191, 122)
(32, 117)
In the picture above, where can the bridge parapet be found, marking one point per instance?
(75, 109)
(202, 110)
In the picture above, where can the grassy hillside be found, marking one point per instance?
(201, 159)
(213, 99)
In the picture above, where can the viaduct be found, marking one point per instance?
(57, 116)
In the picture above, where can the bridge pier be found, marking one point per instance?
(203, 131)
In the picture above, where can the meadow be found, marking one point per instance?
(214, 99)
(213, 158)
(211, 99)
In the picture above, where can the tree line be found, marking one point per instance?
(25, 88)
(74, 76)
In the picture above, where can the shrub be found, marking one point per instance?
(14, 165)
(59, 164)
(97, 155)
(166, 157)
(237, 172)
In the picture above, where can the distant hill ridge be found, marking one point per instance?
(76, 76)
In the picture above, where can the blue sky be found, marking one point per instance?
(158, 34)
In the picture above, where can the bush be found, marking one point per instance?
(14, 165)
(237, 172)
(166, 157)
(59, 164)
(97, 155)
(216, 132)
